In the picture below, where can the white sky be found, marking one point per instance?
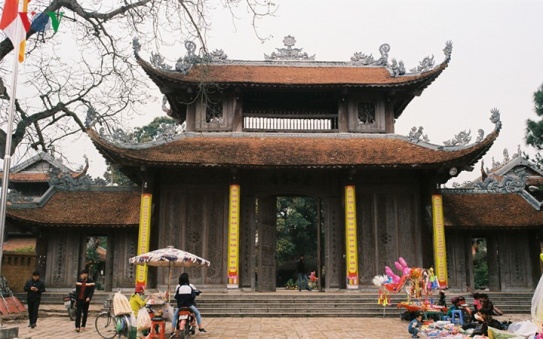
(497, 58)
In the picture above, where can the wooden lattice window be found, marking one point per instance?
(214, 113)
(366, 113)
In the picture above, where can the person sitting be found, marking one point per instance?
(459, 303)
(488, 306)
(185, 295)
(415, 326)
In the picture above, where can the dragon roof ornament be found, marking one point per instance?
(288, 53)
(461, 139)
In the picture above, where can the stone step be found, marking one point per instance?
(297, 304)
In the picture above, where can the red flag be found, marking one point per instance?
(10, 20)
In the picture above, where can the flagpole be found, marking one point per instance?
(7, 156)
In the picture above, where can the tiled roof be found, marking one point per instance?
(323, 74)
(479, 210)
(28, 177)
(20, 245)
(82, 208)
(248, 150)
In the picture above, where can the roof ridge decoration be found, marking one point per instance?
(461, 139)
(394, 67)
(288, 53)
(65, 182)
(510, 183)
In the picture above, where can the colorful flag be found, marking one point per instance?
(24, 17)
(9, 21)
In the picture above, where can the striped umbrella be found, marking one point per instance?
(168, 257)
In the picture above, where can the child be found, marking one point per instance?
(415, 325)
(442, 297)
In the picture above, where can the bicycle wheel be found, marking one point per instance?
(105, 325)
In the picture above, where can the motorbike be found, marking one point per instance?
(69, 303)
(186, 323)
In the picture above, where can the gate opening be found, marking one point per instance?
(95, 259)
(294, 229)
(480, 263)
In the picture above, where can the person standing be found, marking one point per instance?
(84, 290)
(33, 288)
(137, 301)
(302, 274)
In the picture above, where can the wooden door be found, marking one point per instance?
(267, 233)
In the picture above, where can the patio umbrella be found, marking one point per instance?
(168, 257)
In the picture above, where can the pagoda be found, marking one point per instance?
(251, 131)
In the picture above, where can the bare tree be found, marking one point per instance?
(88, 65)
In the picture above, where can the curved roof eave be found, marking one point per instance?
(245, 150)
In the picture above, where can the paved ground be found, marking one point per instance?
(55, 325)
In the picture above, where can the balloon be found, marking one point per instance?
(391, 274)
(402, 261)
(399, 266)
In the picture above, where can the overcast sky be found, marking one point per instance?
(497, 58)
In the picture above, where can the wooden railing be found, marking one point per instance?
(290, 122)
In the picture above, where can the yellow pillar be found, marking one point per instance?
(351, 243)
(144, 236)
(233, 237)
(440, 250)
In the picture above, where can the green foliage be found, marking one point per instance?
(296, 227)
(290, 284)
(480, 266)
(534, 129)
(114, 176)
(154, 129)
(27, 249)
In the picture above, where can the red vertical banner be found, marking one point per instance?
(144, 235)
(440, 250)
(233, 237)
(351, 243)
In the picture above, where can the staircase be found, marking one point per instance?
(288, 303)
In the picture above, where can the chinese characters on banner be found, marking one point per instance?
(350, 238)
(233, 237)
(144, 236)
(440, 251)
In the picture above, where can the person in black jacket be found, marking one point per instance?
(302, 274)
(185, 293)
(84, 290)
(33, 288)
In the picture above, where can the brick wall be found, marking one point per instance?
(17, 268)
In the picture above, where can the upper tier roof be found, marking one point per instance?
(289, 69)
(265, 74)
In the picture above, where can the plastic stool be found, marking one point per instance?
(158, 328)
(457, 317)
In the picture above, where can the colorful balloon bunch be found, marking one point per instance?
(417, 281)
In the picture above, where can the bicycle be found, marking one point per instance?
(109, 326)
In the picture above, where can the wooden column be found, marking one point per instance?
(440, 250)
(233, 236)
(351, 243)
